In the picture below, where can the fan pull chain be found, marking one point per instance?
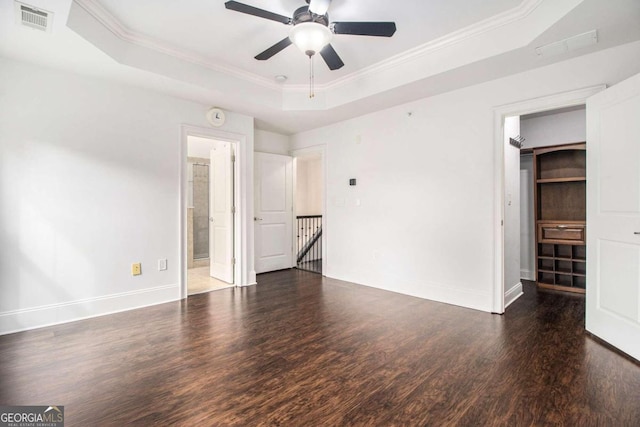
(311, 77)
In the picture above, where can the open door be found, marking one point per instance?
(221, 212)
(273, 212)
(613, 216)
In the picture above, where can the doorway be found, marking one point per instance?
(309, 207)
(545, 208)
(559, 264)
(289, 221)
(508, 232)
(210, 214)
(308, 212)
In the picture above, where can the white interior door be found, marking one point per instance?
(221, 212)
(273, 212)
(613, 216)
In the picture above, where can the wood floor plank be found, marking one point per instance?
(303, 350)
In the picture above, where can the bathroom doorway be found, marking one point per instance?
(210, 214)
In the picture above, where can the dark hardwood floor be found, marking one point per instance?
(302, 350)
(312, 266)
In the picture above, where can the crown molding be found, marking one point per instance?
(507, 17)
(111, 23)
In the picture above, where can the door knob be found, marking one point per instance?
(210, 219)
(637, 233)
(255, 218)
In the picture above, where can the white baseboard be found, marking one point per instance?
(513, 294)
(434, 291)
(528, 275)
(248, 284)
(54, 314)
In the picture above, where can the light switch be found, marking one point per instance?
(162, 264)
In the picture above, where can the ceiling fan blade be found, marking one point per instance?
(380, 29)
(319, 7)
(261, 13)
(274, 49)
(332, 59)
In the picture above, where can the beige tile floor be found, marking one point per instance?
(199, 281)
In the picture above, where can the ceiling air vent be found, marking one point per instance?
(32, 17)
(572, 43)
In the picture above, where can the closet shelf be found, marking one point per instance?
(567, 179)
(559, 207)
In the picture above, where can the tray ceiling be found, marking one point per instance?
(198, 50)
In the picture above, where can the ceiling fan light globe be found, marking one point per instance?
(310, 37)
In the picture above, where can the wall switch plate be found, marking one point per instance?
(136, 269)
(162, 264)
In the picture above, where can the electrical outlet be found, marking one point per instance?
(136, 269)
(162, 264)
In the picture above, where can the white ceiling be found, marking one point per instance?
(199, 50)
(206, 28)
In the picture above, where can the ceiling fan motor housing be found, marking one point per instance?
(302, 14)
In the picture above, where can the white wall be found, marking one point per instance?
(426, 183)
(554, 129)
(309, 186)
(271, 142)
(512, 285)
(89, 184)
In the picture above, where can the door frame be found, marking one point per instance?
(500, 113)
(302, 152)
(236, 140)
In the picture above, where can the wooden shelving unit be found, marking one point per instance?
(560, 213)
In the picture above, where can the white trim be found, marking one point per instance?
(294, 207)
(513, 294)
(243, 274)
(301, 152)
(40, 317)
(545, 103)
(527, 275)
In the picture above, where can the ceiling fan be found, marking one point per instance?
(312, 31)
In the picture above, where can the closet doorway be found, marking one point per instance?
(553, 199)
(515, 262)
(544, 201)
